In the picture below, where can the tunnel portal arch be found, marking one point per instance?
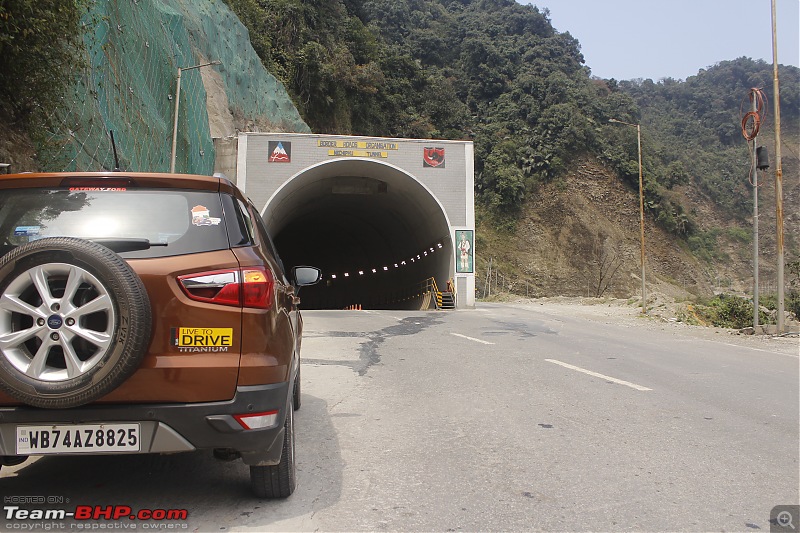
(377, 228)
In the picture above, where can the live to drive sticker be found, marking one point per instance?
(202, 339)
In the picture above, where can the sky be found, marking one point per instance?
(629, 39)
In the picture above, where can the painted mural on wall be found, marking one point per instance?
(464, 251)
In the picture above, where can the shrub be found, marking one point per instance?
(728, 311)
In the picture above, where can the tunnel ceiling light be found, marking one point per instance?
(374, 271)
(386, 268)
(396, 265)
(439, 245)
(432, 250)
(402, 262)
(360, 272)
(418, 257)
(412, 259)
(346, 275)
(333, 276)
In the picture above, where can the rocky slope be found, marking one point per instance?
(580, 237)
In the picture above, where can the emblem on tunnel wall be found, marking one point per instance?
(280, 152)
(433, 157)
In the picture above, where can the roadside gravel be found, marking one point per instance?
(663, 317)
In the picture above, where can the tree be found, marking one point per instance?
(605, 261)
(39, 42)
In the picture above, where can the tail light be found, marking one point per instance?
(258, 420)
(246, 287)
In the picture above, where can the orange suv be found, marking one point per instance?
(146, 313)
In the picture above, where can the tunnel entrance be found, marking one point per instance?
(376, 233)
(378, 216)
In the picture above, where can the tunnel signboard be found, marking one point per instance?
(357, 153)
(380, 216)
(345, 148)
(364, 145)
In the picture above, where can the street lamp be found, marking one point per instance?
(641, 202)
(177, 106)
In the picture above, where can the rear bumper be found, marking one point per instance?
(170, 428)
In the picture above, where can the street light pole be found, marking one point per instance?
(641, 204)
(177, 107)
(175, 124)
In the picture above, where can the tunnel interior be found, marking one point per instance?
(377, 234)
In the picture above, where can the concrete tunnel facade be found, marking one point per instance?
(379, 216)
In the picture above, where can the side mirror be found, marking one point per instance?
(306, 275)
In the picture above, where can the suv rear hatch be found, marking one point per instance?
(172, 237)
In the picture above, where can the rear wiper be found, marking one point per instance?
(127, 245)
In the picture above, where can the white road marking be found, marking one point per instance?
(595, 374)
(773, 352)
(381, 314)
(471, 338)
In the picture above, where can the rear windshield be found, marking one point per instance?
(185, 221)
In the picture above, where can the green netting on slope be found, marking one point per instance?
(252, 91)
(134, 48)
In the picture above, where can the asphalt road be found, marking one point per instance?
(502, 418)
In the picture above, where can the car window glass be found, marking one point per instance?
(267, 241)
(237, 227)
(184, 221)
(247, 219)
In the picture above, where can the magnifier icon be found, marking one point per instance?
(784, 519)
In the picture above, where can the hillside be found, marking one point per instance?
(120, 76)
(580, 237)
(556, 183)
(497, 72)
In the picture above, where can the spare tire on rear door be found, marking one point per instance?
(75, 322)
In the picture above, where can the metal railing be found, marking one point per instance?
(425, 292)
(421, 295)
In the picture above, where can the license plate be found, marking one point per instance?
(79, 438)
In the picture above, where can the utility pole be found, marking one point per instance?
(754, 173)
(751, 123)
(778, 168)
(641, 213)
(487, 287)
(641, 204)
(177, 108)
